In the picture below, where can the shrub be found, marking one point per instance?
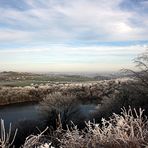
(59, 108)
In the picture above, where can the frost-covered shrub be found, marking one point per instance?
(127, 130)
(59, 108)
(130, 129)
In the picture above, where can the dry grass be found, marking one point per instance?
(128, 130)
(36, 141)
(5, 137)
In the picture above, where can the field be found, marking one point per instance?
(26, 79)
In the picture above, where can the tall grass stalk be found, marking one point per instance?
(126, 130)
(5, 141)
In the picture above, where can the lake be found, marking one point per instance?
(30, 111)
(22, 111)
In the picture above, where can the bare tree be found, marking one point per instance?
(137, 90)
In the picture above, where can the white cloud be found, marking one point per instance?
(100, 20)
(14, 35)
(34, 28)
(136, 49)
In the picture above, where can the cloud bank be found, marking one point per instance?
(80, 32)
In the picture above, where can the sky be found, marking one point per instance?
(72, 35)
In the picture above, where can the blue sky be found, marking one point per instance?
(72, 35)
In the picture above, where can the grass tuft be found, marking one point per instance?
(127, 130)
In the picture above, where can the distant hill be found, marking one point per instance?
(11, 75)
(102, 77)
(12, 78)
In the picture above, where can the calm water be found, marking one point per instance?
(16, 112)
(30, 111)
